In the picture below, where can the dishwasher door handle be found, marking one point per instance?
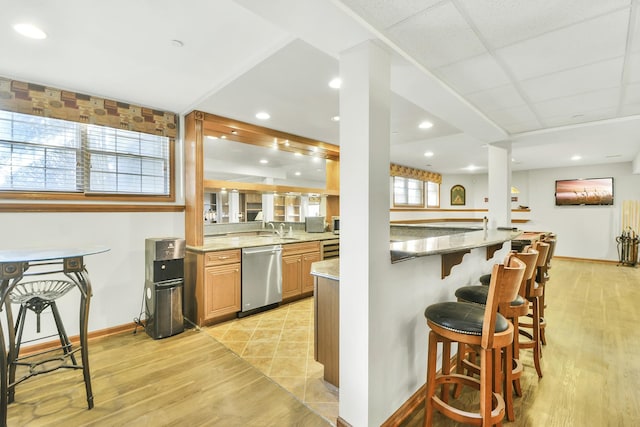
(261, 251)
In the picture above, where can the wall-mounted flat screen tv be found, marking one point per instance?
(593, 191)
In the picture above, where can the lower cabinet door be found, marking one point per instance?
(307, 278)
(291, 269)
(221, 290)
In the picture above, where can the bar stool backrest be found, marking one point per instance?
(505, 283)
(543, 249)
(530, 258)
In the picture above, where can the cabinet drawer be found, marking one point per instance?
(300, 248)
(222, 257)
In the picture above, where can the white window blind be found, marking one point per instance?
(43, 154)
(408, 191)
(433, 194)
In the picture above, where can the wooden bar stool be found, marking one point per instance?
(512, 311)
(533, 294)
(486, 331)
(551, 240)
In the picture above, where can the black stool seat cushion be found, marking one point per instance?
(478, 295)
(485, 279)
(462, 317)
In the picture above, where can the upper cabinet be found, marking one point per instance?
(229, 164)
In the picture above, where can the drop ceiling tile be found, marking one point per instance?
(632, 94)
(601, 75)
(585, 43)
(437, 36)
(513, 116)
(522, 127)
(505, 22)
(584, 117)
(384, 13)
(633, 68)
(498, 98)
(474, 74)
(578, 104)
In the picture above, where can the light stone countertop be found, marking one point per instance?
(221, 243)
(409, 249)
(402, 248)
(329, 269)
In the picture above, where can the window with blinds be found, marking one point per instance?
(44, 154)
(408, 191)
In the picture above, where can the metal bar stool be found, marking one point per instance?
(482, 328)
(37, 296)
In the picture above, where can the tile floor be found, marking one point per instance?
(279, 342)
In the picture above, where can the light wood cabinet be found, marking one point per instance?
(221, 283)
(212, 285)
(307, 278)
(296, 269)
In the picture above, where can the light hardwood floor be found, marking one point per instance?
(590, 363)
(591, 368)
(189, 379)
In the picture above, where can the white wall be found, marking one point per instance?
(117, 276)
(583, 231)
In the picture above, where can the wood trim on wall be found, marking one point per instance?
(429, 220)
(86, 207)
(449, 210)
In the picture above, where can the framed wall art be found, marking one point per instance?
(458, 195)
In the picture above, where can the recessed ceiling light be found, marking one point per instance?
(262, 115)
(335, 118)
(428, 154)
(335, 83)
(30, 31)
(425, 125)
(576, 157)
(471, 168)
(264, 161)
(297, 173)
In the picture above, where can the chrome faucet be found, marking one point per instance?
(281, 228)
(273, 227)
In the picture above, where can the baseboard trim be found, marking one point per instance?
(36, 348)
(569, 258)
(407, 409)
(342, 423)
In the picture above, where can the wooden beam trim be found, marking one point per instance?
(248, 186)
(85, 207)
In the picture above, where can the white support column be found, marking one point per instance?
(364, 224)
(499, 184)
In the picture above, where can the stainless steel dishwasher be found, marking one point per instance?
(261, 278)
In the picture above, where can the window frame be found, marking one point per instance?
(408, 205)
(427, 204)
(85, 195)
